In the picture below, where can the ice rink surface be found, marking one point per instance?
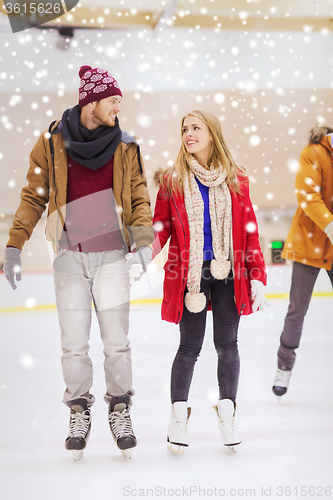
(287, 445)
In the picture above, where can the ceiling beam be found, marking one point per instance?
(100, 18)
(253, 23)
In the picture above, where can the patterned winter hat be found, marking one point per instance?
(96, 84)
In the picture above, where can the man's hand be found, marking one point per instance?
(12, 266)
(137, 263)
(258, 296)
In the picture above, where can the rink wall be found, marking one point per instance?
(261, 117)
(36, 291)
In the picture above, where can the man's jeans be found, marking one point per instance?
(302, 283)
(80, 279)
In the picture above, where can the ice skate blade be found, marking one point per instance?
(179, 450)
(77, 455)
(127, 453)
(232, 446)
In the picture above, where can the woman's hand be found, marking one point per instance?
(258, 296)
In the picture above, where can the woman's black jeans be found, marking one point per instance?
(192, 332)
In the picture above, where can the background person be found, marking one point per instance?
(309, 244)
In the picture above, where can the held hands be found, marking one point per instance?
(258, 296)
(137, 263)
(12, 266)
(329, 231)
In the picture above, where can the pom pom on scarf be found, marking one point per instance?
(220, 270)
(195, 302)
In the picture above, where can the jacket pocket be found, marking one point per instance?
(171, 281)
(305, 220)
(310, 241)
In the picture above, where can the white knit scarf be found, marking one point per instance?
(220, 216)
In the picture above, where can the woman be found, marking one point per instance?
(214, 261)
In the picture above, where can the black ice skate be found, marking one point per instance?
(121, 425)
(79, 428)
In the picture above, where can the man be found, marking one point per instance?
(91, 174)
(309, 243)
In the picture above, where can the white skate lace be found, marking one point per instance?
(228, 425)
(120, 422)
(281, 378)
(79, 424)
(181, 426)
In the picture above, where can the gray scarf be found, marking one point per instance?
(91, 148)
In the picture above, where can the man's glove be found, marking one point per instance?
(258, 295)
(12, 265)
(329, 231)
(137, 263)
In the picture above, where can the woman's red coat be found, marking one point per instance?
(170, 221)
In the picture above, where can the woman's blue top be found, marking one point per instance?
(208, 253)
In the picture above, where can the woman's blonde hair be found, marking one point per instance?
(219, 155)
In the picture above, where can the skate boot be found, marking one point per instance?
(225, 410)
(79, 428)
(281, 381)
(177, 431)
(121, 425)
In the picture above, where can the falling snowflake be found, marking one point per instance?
(255, 140)
(144, 120)
(27, 361)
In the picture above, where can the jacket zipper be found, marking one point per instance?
(183, 277)
(122, 200)
(174, 202)
(122, 188)
(54, 181)
(56, 192)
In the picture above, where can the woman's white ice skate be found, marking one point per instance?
(177, 431)
(225, 410)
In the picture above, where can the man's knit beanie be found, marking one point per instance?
(96, 84)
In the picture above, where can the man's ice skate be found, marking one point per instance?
(281, 382)
(121, 425)
(225, 410)
(177, 431)
(79, 428)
